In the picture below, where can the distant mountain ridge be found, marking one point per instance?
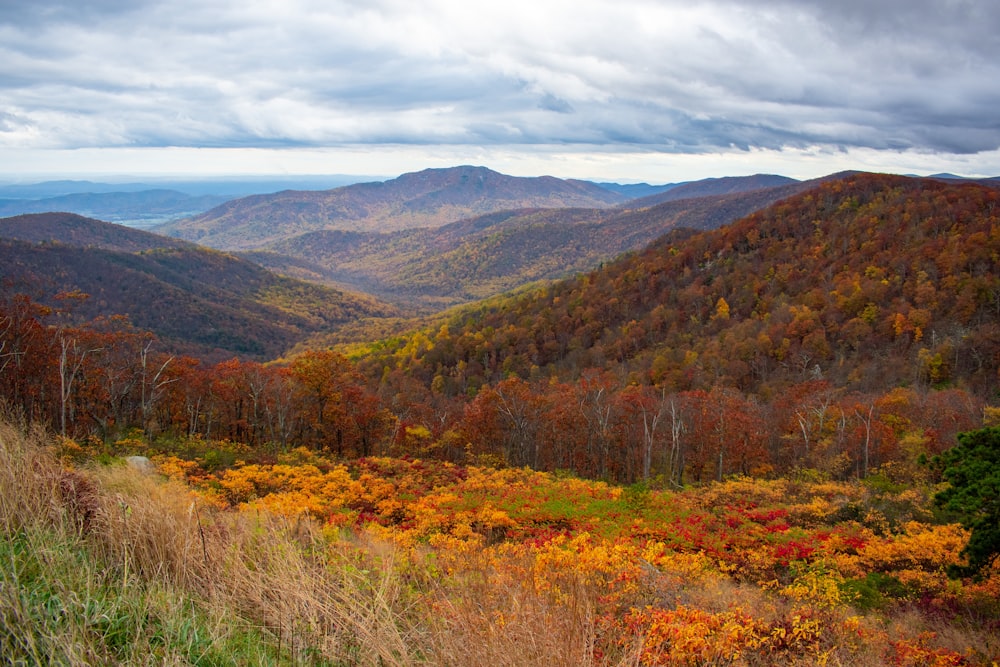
(196, 300)
(146, 204)
(476, 257)
(48, 189)
(428, 198)
(710, 187)
(228, 186)
(637, 190)
(482, 256)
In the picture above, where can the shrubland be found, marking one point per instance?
(315, 560)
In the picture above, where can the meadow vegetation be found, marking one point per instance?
(380, 561)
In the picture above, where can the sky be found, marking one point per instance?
(618, 90)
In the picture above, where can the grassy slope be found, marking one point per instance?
(106, 566)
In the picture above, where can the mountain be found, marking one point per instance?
(947, 176)
(49, 189)
(75, 230)
(455, 263)
(479, 257)
(144, 205)
(428, 198)
(637, 190)
(709, 187)
(196, 300)
(991, 181)
(225, 186)
(868, 282)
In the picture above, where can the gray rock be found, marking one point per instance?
(142, 464)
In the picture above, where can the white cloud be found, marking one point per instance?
(389, 160)
(629, 78)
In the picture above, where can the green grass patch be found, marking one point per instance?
(60, 606)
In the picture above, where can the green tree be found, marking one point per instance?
(972, 468)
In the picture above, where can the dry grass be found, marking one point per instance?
(482, 618)
(316, 605)
(29, 480)
(145, 573)
(314, 598)
(39, 506)
(107, 566)
(101, 566)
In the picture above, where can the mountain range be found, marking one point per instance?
(145, 204)
(712, 187)
(217, 303)
(422, 239)
(428, 198)
(142, 209)
(226, 186)
(478, 257)
(214, 304)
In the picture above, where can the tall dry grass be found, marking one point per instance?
(106, 565)
(37, 533)
(482, 619)
(30, 480)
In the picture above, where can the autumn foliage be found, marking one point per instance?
(715, 451)
(803, 571)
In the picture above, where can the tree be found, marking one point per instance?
(27, 368)
(506, 420)
(643, 409)
(153, 383)
(325, 383)
(725, 433)
(595, 389)
(74, 347)
(972, 468)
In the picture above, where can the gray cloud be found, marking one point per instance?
(669, 76)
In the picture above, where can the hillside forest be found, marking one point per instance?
(722, 449)
(847, 328)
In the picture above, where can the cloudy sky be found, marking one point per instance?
(654, 90)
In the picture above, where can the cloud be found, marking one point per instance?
(670, 76)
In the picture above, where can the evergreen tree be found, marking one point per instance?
(972, 468)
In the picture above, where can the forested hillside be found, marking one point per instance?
(844, 329)
(480, 257)
(428, 198)
(76, 230)
(870, 282)
(711, 187)
(848, 326)
(197, 301)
